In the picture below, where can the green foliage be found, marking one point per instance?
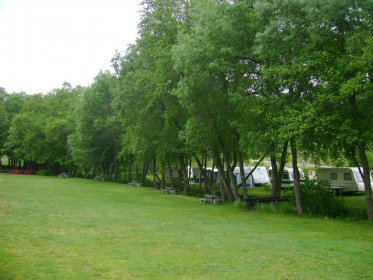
(220, 80)
(94, 143)
(319, 200)
(280, 208)
(43, 172)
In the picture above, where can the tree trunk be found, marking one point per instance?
(202, 170)
(242, 174)
(170, 172)
(163, 180)
(145, 170)
(208, 183)
(224, 183)
(185, 177)
(276, 179)
(154, 172)
(297, 193)
(130, 170)
(366, 178)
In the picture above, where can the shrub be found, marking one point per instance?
(284, 207)
(43, 172)
(319, 200)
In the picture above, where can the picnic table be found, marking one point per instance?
(99, 178)
(168, 190)
(336, 189)
(135, 183)
(63, 175)
(211, 199)
(252, 201)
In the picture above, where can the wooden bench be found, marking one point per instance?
(252, 201)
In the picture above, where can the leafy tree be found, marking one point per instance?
(215, 60)
(340, 47)
(282, 45)
(94, 142)
(13, 104)
(60, 123)
(150, 112)
(26, 137)
(3, 127)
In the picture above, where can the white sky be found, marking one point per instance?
(46, 42)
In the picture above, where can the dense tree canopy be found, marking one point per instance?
(212, 81)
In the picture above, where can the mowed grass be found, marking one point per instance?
(52, 228)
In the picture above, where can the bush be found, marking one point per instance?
(319, 200)
(43, 172)
(284, 207)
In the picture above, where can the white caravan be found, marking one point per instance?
(288, 176)
(347, 178)
(195, 175)
(260, 175)
(237, 174)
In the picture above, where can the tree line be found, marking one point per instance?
(212, 81)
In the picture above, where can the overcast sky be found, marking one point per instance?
(46, 42)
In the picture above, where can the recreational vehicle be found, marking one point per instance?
(237, 174)
(174, 173)
(347, 178)
(288, 177)
(195, 175)
(260, 175)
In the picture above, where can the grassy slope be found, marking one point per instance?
(54, 228)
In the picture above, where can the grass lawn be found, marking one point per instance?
(52, 228)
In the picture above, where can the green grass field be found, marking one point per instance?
(53, 228)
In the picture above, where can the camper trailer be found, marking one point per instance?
(195, 175)
(347, 178)
(260, 175)
(237, 174)
(174, 173)
(288, 177)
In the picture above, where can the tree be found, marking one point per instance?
(94, 143)
(144, 99)
(283, 46)
(342, 61)
(214, 57)
(26, 139)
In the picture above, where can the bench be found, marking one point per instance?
(252, 201)
(63, 175)
(134, 183)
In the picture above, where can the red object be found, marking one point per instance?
(16, 171)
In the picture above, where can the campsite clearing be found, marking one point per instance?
(84, 229)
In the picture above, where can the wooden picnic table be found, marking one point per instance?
(135, 183)
(168, 190)
(99, 178)
(336, 189)
(211, 199)
(252, 201)
(63, 175)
